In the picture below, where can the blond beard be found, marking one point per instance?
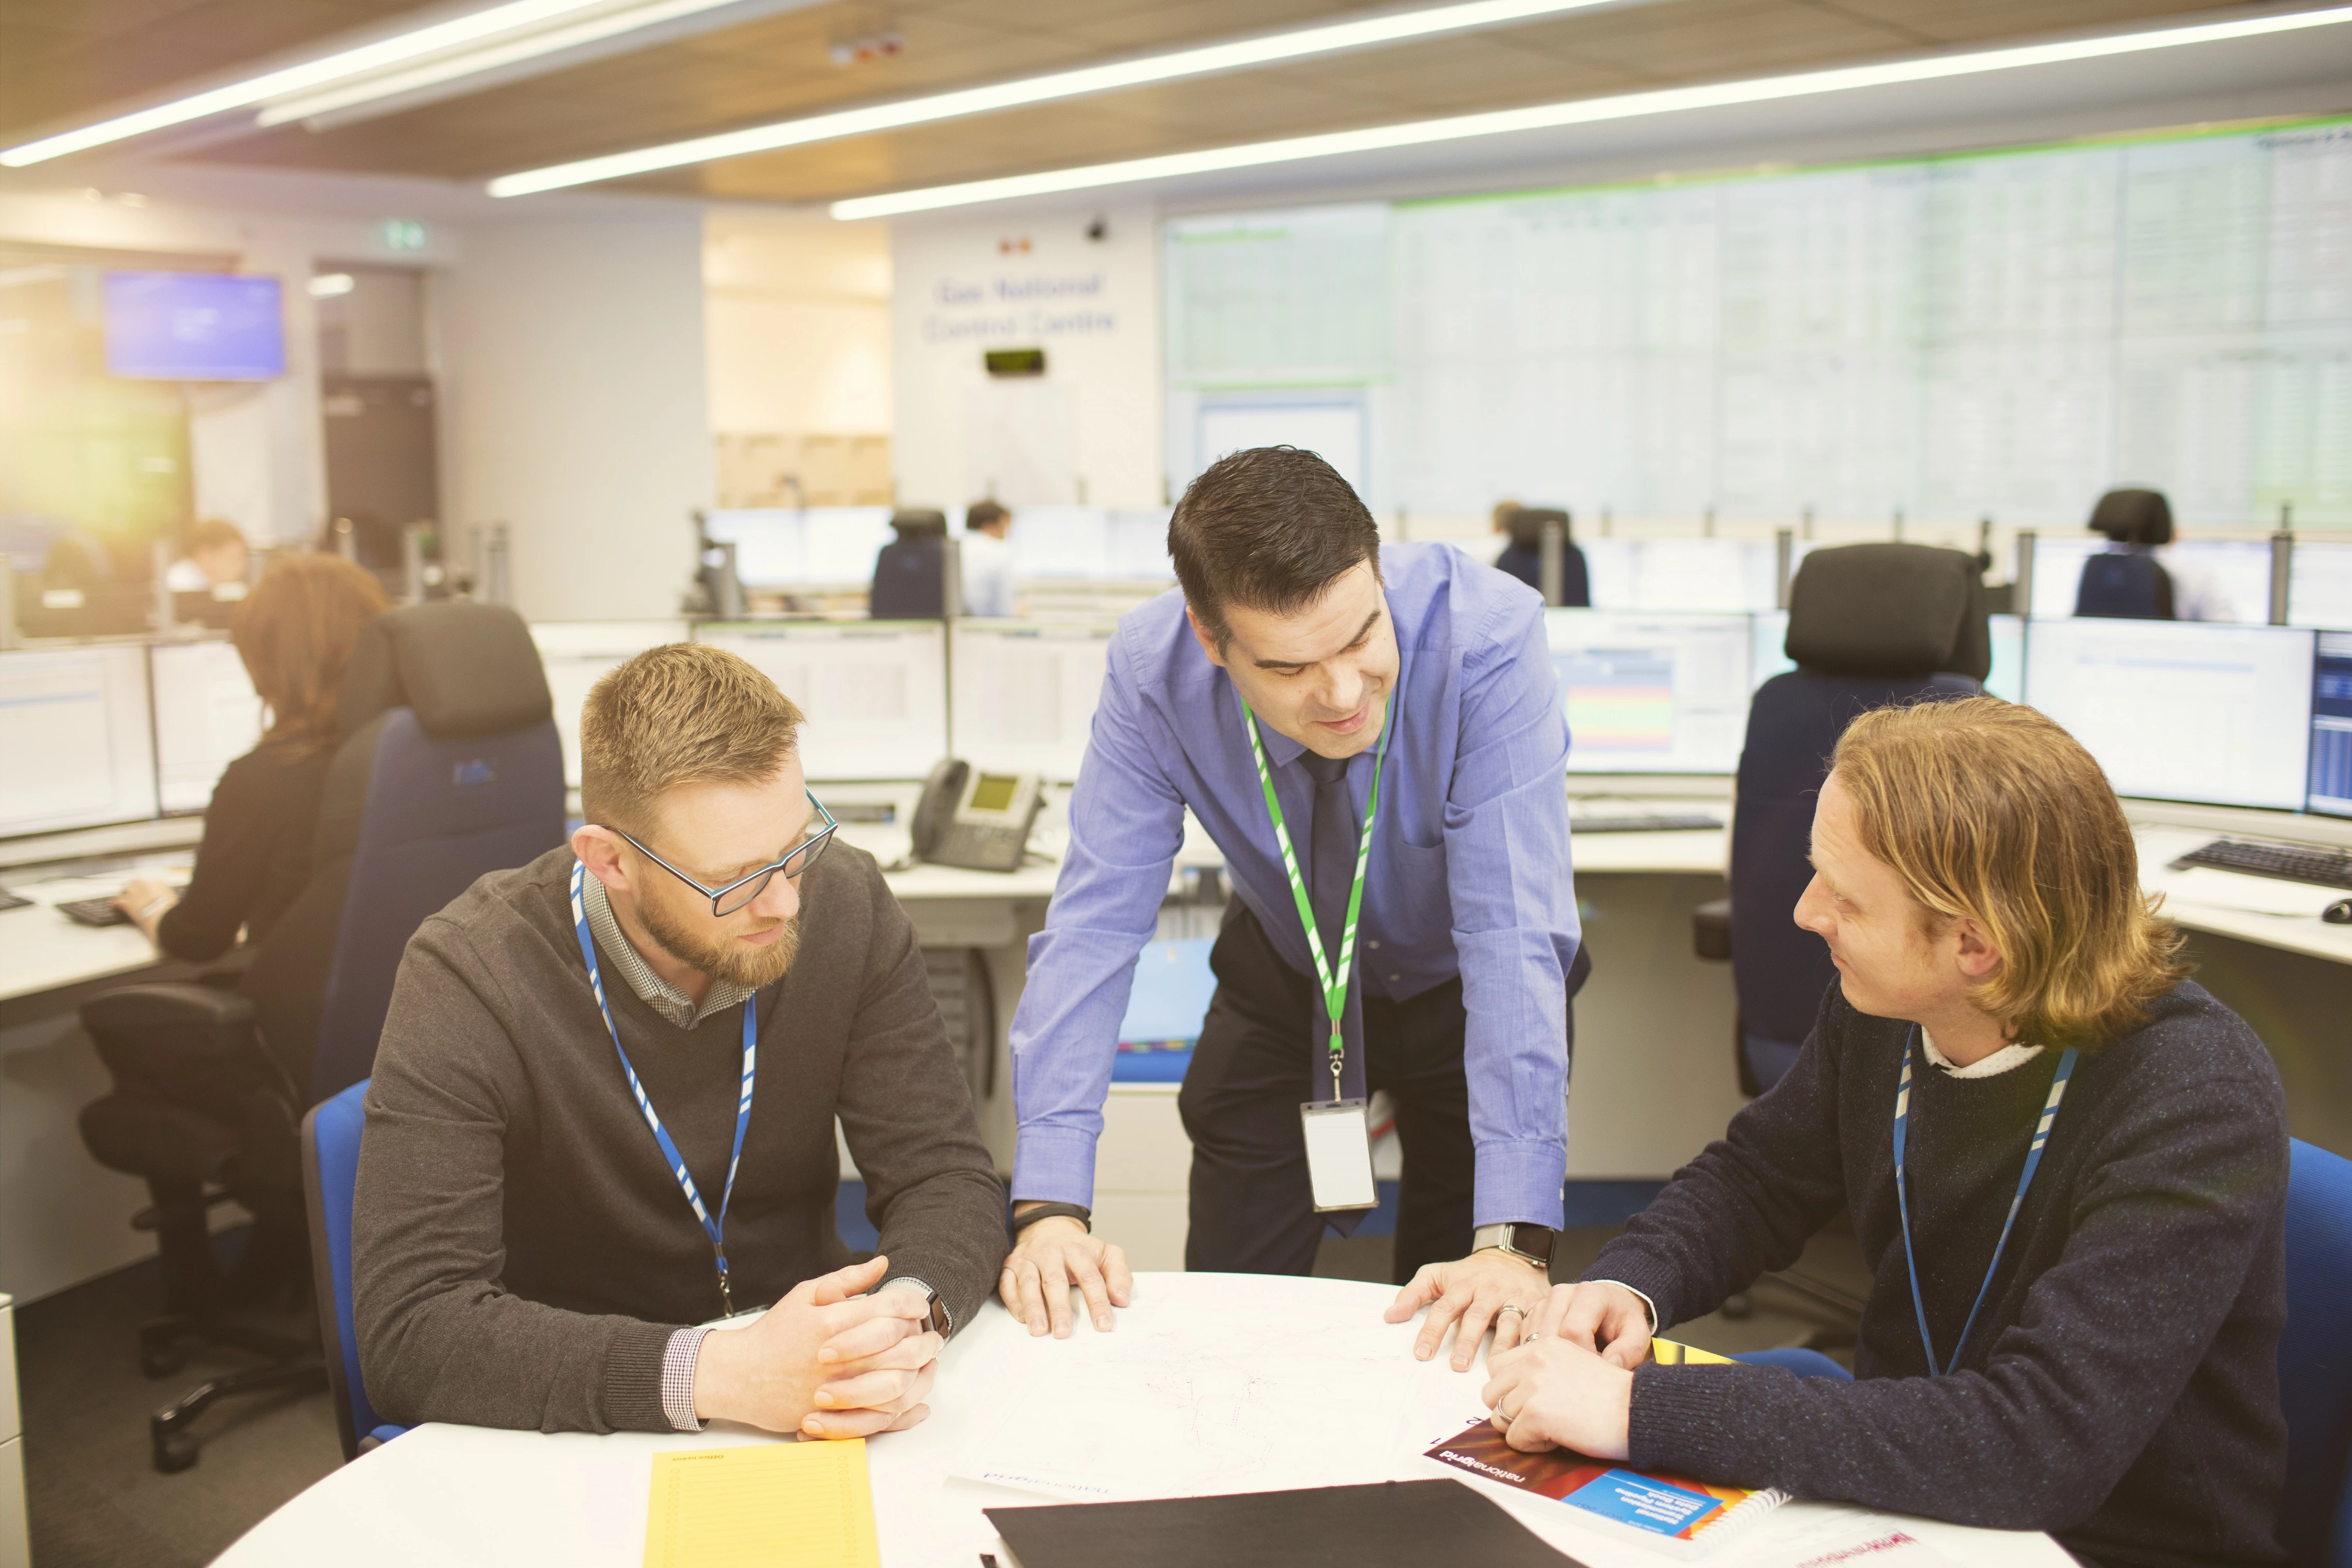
(753, 968)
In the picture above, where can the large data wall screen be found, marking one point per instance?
(75, 747)
(1651, 694)
(2172, 711)
(2003, 335)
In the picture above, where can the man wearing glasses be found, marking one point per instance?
(603, 1110)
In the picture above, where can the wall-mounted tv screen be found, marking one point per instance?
(193, 327)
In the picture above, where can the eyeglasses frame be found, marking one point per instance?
(806, 851)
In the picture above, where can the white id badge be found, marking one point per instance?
(1338, 1155)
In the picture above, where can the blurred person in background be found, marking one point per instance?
(216, 557)
(295, 633)
(987, 560)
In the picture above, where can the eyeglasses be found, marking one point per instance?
(726, 900)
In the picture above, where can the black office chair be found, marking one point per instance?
(449, 770)
(1869, 626)
(1523, 557)
(2129, 584)
(911, 574)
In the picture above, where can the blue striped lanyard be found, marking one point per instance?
(2024, 1180)
(714, 1228)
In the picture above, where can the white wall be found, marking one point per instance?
(1089, 429)
(797, 319)
(258, 451)
(574, 406)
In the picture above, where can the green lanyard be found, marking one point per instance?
(1334, 983)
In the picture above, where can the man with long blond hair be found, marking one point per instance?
(2066, 1165)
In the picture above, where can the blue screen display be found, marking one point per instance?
(193, 327)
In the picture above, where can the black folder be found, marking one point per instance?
(1410, 1524)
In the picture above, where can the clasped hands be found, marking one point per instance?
(1569, 1384)
(827, 1361)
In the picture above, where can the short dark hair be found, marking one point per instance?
(980, 514)
(1268, 528)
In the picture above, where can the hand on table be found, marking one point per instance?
(1053, 1254)
(147, 899)
(825, 1362)
(1553, 1393)
(1476, 1290)
(1602, 1316)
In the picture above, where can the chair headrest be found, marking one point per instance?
(1889, 610)
(465, 669)
(2134, 517)
(1526, 524)
(920, 523)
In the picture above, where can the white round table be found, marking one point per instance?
(1209, 1370)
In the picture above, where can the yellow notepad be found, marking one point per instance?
(1673, 1352)
(778, 1505)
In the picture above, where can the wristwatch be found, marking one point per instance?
(940, 1320)
(1531, 1243)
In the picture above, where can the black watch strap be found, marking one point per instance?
(1024, 1218)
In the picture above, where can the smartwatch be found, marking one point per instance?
(938, 1309)
(1531, 1243)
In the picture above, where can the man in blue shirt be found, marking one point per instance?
(1467, 949)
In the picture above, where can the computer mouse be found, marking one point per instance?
(2339, 912)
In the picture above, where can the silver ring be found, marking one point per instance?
(1510, 1307)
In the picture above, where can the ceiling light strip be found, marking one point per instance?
(1239, 54)
(1584, 111)
(468, 33)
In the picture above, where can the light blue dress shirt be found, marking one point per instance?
(1469, 872)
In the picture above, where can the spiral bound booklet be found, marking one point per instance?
(1674, 1513)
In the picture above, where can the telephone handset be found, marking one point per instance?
(974, 819)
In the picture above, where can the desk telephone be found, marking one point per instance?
(977, 821)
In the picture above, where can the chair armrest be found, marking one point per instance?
(1711, 930)
(166, 1007)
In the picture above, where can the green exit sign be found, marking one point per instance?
(403, 234)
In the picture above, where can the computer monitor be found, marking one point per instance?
(2058, 570)
(2331, 725)
(875, 691)
(576, 654)
(207, 715)
(2177, 711)
(2006, 679)
(1718, 576)
(1025, 691)
(1651, 694)
(1069, 542)
(1139, 546)
(2319, 586)
(75, 747)
(1768, 653)
(2235, 571)
(193, 327)
(802, 547)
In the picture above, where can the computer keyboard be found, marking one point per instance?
(1668, 822)
(95, 912)
(2288, 863)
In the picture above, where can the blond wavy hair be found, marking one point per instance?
(1992, 812)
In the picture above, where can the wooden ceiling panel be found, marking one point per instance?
(778, 68)
(65, 59)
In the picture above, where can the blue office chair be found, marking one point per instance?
(331, 1172)
(1869, 626)
(2316, 1360)
(910, 572)
(449, 770)
(2126, 582)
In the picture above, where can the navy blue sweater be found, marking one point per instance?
(2120, 1387)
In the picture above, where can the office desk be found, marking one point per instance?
(464, 1495)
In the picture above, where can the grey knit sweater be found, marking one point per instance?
(521, 1252)
(2120, 1387)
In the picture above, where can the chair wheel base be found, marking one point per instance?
(174, 1451)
